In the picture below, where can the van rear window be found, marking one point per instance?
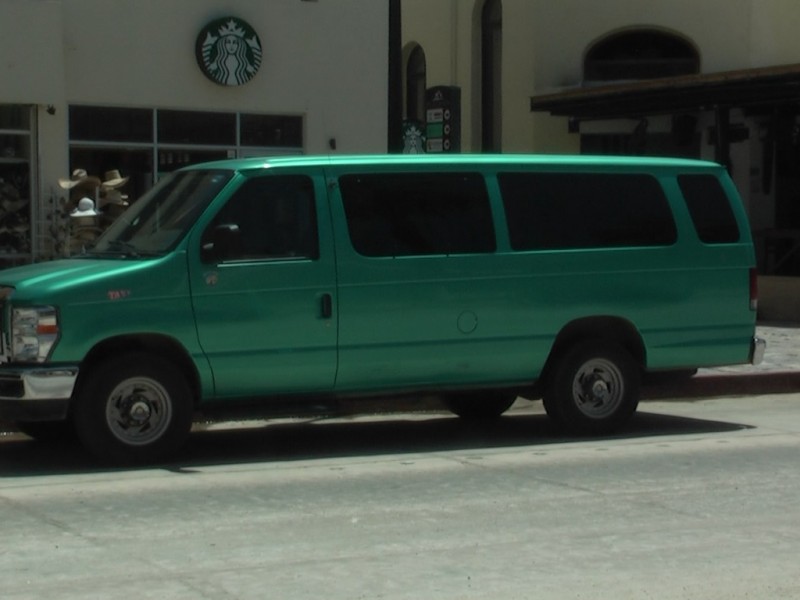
(710, 209)
(417, 214)
(552, 211)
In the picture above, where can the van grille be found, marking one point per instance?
(11, 388)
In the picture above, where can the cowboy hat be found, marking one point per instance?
(113, 179)
(114, 197)
(79, 177)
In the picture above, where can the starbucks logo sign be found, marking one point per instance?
(228, 51)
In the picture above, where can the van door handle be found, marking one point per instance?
(326, 305)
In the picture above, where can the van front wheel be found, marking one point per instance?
(594, 388)
(133, 409)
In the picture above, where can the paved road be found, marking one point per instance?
(694, 499)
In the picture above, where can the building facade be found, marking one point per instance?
(716, 79)
(129, 89)
(124, 91)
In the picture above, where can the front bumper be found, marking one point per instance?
(36, 393)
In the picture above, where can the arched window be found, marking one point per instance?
(640, 54)
(416, 83)
(491, 75)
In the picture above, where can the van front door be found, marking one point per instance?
(264, 296)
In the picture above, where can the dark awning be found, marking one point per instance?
(762, 87)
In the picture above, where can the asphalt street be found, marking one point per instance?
(694, 498)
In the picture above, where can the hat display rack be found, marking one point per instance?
(93, 204)
(15, 224)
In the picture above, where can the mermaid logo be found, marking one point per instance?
(228, 51)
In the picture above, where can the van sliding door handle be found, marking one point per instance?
(326, 305)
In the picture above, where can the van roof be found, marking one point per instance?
(454, 160)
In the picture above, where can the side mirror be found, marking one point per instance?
(225, 244)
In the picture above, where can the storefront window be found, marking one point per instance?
(270, 131)
(144, 143)
(135, 147)
(192, 127)
(135, 163)
(15, 184)
(15, 117)
(107, 124)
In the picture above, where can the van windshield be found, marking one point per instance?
(159, 220)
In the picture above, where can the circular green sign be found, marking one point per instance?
(228, 51)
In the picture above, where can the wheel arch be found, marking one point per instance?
(149, 343)
(616, 329)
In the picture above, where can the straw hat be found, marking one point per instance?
(113, 179)
(79, 177)
(114, 197)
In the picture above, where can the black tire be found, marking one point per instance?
(48, 431)
(133, 409)
(594, 388)
(476, 406)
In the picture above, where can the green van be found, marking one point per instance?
(280, 283)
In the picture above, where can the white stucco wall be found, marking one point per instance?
(775, 32)
(31, 67)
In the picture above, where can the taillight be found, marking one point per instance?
(753, 289)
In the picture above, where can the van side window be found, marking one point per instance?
(710, 209)
(276, 217)
(415, 214)
(551, 211)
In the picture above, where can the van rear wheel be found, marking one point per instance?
(475, 406)
(594, 388)
(133, 409)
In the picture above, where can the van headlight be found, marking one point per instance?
(34, 332)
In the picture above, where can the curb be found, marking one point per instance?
(711, 385)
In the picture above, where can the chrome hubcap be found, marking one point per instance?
(598, 388)
(138, 411)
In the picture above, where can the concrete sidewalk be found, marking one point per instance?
(782, 355)
(779, 373)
